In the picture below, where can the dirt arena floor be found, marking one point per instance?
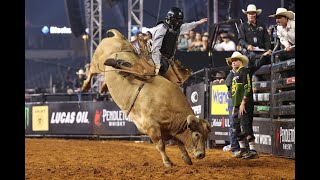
(106, 159)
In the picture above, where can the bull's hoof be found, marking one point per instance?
(187, 160)
(168, 164)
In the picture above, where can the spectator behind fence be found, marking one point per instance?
(219, 77)
(79, 83)
(183, 42)
(254, 39)
(205, 38)
(218, 41)
(140, 36)
(79, 80)
(197, 44)
(227, 44)
(286, 30)
(148, 40)
(192, 36)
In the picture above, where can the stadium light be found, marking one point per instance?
(85, 36)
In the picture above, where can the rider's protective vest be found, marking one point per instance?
(169, 42)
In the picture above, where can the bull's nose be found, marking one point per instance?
(200, 156)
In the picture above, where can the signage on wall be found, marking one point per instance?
(195, 95)
(40, 120)
(56, 30)
(219, 100)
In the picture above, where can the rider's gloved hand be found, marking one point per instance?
(158, 66)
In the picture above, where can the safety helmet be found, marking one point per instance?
(174, 18)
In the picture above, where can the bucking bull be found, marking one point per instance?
(157, 106)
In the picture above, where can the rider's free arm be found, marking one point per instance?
(186, 27)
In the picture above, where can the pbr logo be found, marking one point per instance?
(194, 97)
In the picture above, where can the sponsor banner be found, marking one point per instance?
(219, 127)
(27, 119)
(70, 118)
(284, 131)
(108, 119)
(219, 100)
(291, 80)
(195, 96)
(73, 118)
(40, 118)
(262, 130)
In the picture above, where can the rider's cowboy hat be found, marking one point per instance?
(283, 12)
(252, 8)
(236, 55)
(80, 72)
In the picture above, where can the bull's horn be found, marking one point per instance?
(114, 33)
(192, 118)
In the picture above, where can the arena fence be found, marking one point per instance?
(274, 105)
(63, 115)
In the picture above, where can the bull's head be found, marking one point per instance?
(200, 129)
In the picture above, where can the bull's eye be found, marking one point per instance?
(196, 135)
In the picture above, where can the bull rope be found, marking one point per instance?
(138, 91)
(135, 97)
(131, 72)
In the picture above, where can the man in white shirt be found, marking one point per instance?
(227, 44)
(286, 28)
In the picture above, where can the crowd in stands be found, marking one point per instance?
(193, 41)
(226, 40)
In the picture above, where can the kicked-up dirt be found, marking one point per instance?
(47, 158)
